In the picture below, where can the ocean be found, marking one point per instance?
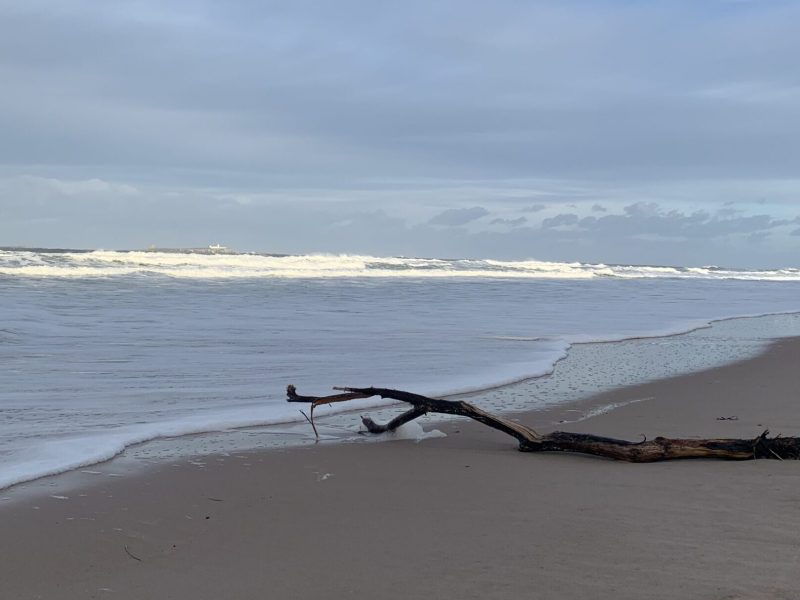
(103, 350)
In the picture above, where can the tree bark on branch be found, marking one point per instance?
(654, 450)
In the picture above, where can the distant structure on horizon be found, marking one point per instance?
(210, 249)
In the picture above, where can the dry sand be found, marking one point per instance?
(465, 516)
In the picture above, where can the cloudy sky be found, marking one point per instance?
(606, 131)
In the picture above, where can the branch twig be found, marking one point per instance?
(131, 554)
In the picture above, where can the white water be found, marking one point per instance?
(102, 350)
(101, 263)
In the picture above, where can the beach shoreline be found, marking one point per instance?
(159, 347)
(461, 516)
(569, 391)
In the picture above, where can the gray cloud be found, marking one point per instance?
(534, 208)
(509, 222)
(560, 220)
(458, 216)
(648, 218)
(599, 208)
(728, 212)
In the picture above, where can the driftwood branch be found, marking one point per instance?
(529, 440)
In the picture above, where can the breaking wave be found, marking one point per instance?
(210, 265)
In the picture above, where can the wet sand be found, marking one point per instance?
(466, 516)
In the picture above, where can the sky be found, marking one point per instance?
(655, 132)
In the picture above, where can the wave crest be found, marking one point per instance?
(189, 265)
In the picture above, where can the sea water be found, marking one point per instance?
(102, 350)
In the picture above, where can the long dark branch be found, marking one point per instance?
(657, 449)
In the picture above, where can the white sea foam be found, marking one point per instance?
(51, 457)
(186, 265)
(414, 431)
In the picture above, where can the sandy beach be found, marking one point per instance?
(466, 516)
